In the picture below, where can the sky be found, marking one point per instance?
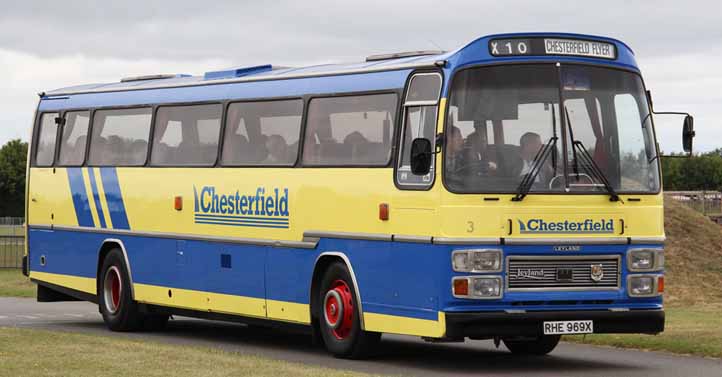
(46, 45)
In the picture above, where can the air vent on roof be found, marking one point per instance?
(406, 54)
(237, 72)
(153, 77)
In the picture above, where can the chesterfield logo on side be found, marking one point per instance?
(260, 209)
(586, 226)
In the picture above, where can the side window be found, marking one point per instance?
(420, 113)
(74, 138)
(262, 133)
(186, 135)
(120, 137)
(352, 130)
(48, 132)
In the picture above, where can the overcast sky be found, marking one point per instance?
(50, 44)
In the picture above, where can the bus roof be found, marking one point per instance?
(396, 66)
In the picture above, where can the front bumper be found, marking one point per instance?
(486, 325)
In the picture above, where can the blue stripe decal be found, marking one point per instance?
(223, 219)
(215, 222)
(114, 197)
(96, 197)
(80, 197)
(279, 218)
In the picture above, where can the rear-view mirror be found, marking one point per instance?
(688, 133)
(666, 125)
(421, 156)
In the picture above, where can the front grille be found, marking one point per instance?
(561, 273)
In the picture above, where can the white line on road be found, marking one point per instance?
(28, 317)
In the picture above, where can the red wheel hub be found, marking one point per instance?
(112, 289)
(338, 310)
(116, 291)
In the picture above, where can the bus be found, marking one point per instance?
(509, 190)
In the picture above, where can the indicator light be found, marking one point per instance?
(383, 211)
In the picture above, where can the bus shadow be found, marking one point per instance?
(395, 355)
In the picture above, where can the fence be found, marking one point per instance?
(12, 242)
(707, 202)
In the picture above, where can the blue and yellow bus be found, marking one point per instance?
(507, 190)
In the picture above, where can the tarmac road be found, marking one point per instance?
(398, 355)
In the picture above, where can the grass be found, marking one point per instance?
(13, 283)
(693, 331)
(693, 253)
(25, 352)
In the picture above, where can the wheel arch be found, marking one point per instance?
(324, 260)
(105, 248)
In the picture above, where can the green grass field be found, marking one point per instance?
(695, 330)
(14, 284)
(25, 352)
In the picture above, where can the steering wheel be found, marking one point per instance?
(579, 177)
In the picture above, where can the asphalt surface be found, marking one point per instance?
(397, 355)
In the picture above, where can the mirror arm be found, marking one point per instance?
(670, 113)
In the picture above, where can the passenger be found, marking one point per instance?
(529, 145)
(355, 138)
(455, 149)
(466, 161)
(277, 149)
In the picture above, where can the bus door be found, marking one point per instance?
(414, 203)
(43, 177)
(416, 198)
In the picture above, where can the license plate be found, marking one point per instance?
(568, 327)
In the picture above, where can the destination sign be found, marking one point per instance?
(579, 48)
(552, 46)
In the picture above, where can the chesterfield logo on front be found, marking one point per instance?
(264, 208)
(586, 226)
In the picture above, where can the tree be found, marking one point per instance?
(13, 156)
(698, 172)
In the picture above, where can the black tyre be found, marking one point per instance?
(119, 311)
(338, 314)
(535, 346)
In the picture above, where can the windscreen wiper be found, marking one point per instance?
(536, 166)
(588, 160)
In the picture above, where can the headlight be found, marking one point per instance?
(479, 287)
(645, 285)
(484, 260)
(639, 260)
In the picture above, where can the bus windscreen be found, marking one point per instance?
(501, 116)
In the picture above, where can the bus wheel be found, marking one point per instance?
(535, 346)
(119, 311)
(339, 318)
